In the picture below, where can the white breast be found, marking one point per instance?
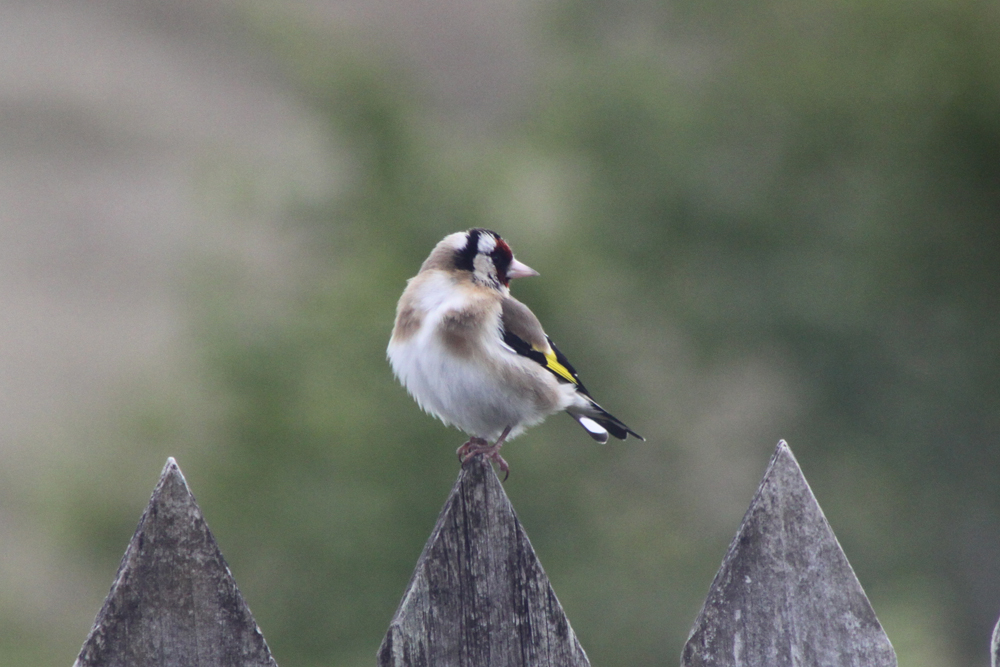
(481, 394)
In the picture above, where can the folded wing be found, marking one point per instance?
(523, 333)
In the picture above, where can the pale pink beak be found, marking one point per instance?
(520, 270)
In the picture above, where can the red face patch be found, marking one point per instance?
(502, 257)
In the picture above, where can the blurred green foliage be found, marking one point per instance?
(753, 220)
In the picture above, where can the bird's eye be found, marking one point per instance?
(502, 257)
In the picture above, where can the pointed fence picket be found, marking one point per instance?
(479, 595)
(784, 595)
(174, 600)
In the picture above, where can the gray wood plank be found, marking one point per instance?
(786, 594)
(174, 600)
(478, 596)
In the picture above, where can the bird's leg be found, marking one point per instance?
(473, 446)
(492, 452)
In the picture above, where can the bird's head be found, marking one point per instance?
(482, 253)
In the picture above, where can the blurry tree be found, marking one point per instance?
(807, 190)
(822, 179)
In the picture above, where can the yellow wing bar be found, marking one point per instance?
(553, 365)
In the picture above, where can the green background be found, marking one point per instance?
(752, 220)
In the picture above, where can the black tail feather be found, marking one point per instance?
(606, 421)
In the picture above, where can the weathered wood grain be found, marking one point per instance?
(174, 600)
(478, 596)
(786, 594)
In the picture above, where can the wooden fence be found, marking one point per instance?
(785, 594)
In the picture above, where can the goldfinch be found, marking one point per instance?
(477, 358)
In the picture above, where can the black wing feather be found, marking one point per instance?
(613, 425)
(523, 348)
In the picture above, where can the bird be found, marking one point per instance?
(478, 359)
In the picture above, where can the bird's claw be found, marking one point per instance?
(470, 448)
(480, 446)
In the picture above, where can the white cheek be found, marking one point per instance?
(484, 266)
